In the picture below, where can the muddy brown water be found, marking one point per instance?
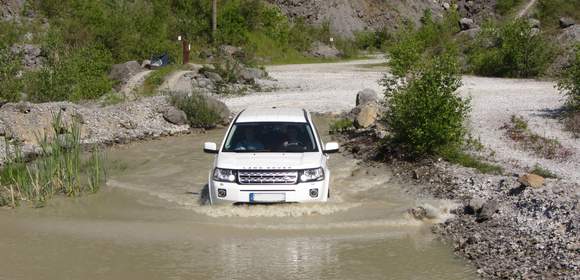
(148, 223)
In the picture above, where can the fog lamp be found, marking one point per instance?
(313, 193)
(222, 193)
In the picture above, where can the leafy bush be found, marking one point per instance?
(199, 113)
(10, 84)
(570, 82)
(412, 45)
(425, 114)
(512, 50)
(78, 74)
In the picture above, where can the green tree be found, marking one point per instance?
(425, 113)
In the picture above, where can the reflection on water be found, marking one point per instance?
(148, 224)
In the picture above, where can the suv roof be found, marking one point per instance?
(272, 115)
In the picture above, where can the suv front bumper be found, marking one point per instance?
(236, 193)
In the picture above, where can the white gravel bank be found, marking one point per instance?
(332, 87)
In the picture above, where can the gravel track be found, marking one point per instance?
(332, 87)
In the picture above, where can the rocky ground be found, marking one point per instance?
(508, 227)
(25, 124)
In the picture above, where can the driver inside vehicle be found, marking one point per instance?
(249, 142)
(292, 140)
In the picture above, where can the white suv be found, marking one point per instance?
(270, 156)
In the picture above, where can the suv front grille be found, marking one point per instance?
(248, 177)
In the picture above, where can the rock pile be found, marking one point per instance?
(23, 123)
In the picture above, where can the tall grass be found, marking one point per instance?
(61, 168)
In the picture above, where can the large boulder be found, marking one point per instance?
(566, 22)
(124, 71)
(174, 115)
(366, 115)
(319, 49)
(466, 24)
(219, 107)
(365, 96)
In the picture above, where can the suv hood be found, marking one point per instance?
(266, 161)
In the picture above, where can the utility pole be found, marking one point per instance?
(213, 19)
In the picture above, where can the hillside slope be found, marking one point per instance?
(349, 16)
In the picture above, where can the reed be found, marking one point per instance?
(62, 168)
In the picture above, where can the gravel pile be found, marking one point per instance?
(26, 123)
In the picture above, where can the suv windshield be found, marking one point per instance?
(278, 137)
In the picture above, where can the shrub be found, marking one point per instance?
(78, 74)
(569, 84)
(199, 113)
(412, 45)
(10, 84)
(425, 114)
(512, 50)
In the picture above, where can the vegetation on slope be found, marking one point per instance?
(84, 38)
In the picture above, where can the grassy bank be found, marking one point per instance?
(61, 169)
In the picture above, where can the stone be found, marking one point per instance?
(366, 115)
(474, 206)
(124, 71)
(534, 23)
(365, 96)
(566, 22)
(487, 210)
(175, 116)
(146, 63)
(446, 6)
(466, 24)
(128, 124)
(219, 107)
(213, 76)
(31, 55)
(471, 33)
(252, 74)
(319, 49)
(531, 180)
(231, 51)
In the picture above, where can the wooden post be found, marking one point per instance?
(185, 47)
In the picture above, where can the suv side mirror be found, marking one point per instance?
(330, 148)
(210, 148)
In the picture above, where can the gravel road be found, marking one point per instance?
(332, 87)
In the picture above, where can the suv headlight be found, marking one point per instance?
(309, 175)
(224, 175)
